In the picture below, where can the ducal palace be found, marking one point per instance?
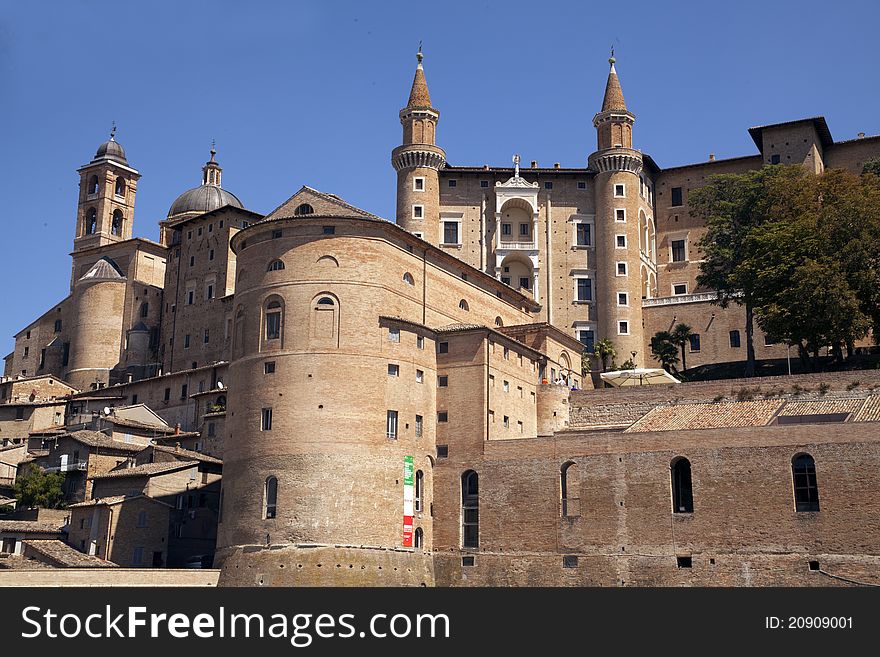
(403, 402)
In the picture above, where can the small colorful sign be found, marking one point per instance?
(408, 500)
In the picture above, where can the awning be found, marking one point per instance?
(638, 377)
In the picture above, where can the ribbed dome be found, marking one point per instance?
(111, 150)
(203, 199)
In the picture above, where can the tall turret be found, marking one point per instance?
(619, 210)
(417, 162)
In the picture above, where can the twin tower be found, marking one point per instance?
(581, 241)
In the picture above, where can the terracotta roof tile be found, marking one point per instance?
(707, 416)
(870, 410)
(821, 407)
(146, 470)
(66, 555)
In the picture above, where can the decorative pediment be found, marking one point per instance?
(517, 182)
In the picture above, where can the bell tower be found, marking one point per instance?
(107, 188)
(417, 162)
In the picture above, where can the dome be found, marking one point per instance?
(111, 150)
(203, 199)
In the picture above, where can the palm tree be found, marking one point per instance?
(664, 350)
(681, 335)
(604, 351)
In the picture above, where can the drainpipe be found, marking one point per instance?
(548, 273)
(483, 242)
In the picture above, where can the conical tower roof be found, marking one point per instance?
(613, 93)
(419, 96)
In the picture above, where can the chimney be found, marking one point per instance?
(485, 167)
(176, 447)
(556, 165)
(534, 164)
(711, 157)
(861, 135)
(177, 429)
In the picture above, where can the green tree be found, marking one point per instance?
(872, 166)
(605, 351)
(732, 206)
(33, 487)
(681, 335)
(664, 350)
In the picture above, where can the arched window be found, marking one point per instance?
(120, 186)
(569, 479)
(806, 489)
(499, 321)
(93, 185)
(270, 497)
(682, 489)
(325, 301)
(91, 221)
(419, 490)
(470, 509)
(418, 538)
(273, 320)
(238, 334)
(408, 279)
(116, 224)
(302, 209)
(275, 265)
(145, 309)
(463, 305)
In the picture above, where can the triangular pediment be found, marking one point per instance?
(321, 204)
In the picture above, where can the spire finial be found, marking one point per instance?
(516, 165)
(611, 59)
(113, 131)
(213, 149)
(419, 55)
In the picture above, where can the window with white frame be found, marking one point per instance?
(679, 288)
(622, 299)
(620, 215)
(623, 327)
(621, 269)
(619, 191)
(583, 231)
(583, 288)
(418, 211)
(418, 184)
(451, 231)
(620, 241)
(678, 250)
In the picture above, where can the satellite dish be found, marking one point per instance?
(106, 410)
(220, 385)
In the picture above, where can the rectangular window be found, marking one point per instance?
(694, 339)
(138, 557)
(269, 367)
(676, 196)
(420, 341)
(620, 215)
(548, 185)
(418, 184)
(584, 289)
(442, 451)
(167, 394)
(622, 299)
(453, 183)
(621, 269)
(621, 241)
(506, 353)
(183, 391)
(525, 282)
(523, 230)
(443, 416)
(582, 185)
(443, 348)
(420, 376)
(207, 336)
(186, 341)
(329, 230)
(619, 191)
(622, 328)
(419, 423)
(678, 251)
(190, 296)
(393, 335)
(273, 325)
(266, 419)
(588, 339)
(505, 280)
(391, 425)
(506, 229)
(583, 235)
(443, 381)
(774, 159)
(134, 399)
(484, 183)
(393, 370)
(418, 211)
(19, 413)
(209, 294)
(679, 288)
(58, 326)
(276, 234)
(211, 431)
(505, 386)
(142, 519)
(211, 254)
(506, 422)
(734, 339)
(519, 425)
(450, 232)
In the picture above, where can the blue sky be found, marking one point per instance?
(308, 93)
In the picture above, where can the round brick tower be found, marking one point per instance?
(618, 204)
(314, 474)
(417, 162)
(96, 335)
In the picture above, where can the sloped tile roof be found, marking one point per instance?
(707, 416)
(66, 555)
(146, 470)
(821, 407)
(870, 410)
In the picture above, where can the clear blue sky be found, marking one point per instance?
(308, 93)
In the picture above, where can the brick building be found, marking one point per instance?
(400, 403)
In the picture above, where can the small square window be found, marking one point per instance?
(442, 416)
(548, 185)
(774, 159)
(620, 214)
(469, 561)
(622, 299)
(276, 234)
(393, 370)
(443, 348)
(418, 184)
(506, 229)
(621, 241)
(442, 381)
(619, 191)
(453, 183)
(621, 269)
(329, 230)
(569, 561)
(506, 422)
(582, 184)
(442, 451)
(269, 367)
(679, 289)
(418, 211)
(484, 183)
(684, 562)
(622, 328)
(393, 335)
